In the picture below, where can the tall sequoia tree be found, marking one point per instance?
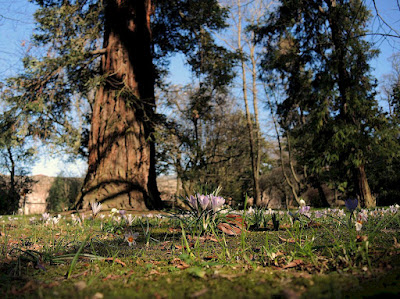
(317, 51)
(121, 154)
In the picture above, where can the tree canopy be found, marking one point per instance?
(316, 52)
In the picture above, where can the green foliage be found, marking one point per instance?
(206, 145)
(63, 193)
(16, 154)
(316, 54)
(59, 81)
(384, 167)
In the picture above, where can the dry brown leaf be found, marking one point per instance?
(293, 264)
(290, 240)
(178, 263)
(236, 220)
(111, 277)
(115, 260)
(228, 229)
(202, 239)
(180, 247)
(154, 272)
(285, 226)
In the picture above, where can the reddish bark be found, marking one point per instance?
(121, 169)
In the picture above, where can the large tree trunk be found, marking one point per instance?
(367, 200)
(121, 162)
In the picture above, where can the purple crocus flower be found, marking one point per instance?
(351, 204)
(318, 214)
(203, 201)
(216, 202)
(304, 210)
(193, 201)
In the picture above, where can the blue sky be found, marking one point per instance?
(16, 26)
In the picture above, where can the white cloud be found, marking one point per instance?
(55, 166)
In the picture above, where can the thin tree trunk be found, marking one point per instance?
(366, 198)
(290, 184)
(257, 144)
(13, 194)
(257, 198)
(121, 161)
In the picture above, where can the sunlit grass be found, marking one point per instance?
(46, 255)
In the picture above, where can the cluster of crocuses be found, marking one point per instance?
(201, 202)
(53, 220)
(304, 209)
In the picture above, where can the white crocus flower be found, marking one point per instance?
(96, 208)
(130, 238)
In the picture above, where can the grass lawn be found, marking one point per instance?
(316, 254)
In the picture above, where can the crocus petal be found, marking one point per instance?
(203, 201)
(193, 202)
(217, 202)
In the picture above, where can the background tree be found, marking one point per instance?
(384, 168)
(16, 155)
(63, 193)
(206, 149)
(315, 48)
(242, 14)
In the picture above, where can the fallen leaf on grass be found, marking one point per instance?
(229, 229)
(178, 263)
(284, 226)
(293, 264)
(111, 277)
(164, 245)
(155, 272)
(115, 260)
(290, 240)
(236, 220)
(180, 247)
(202, 239)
